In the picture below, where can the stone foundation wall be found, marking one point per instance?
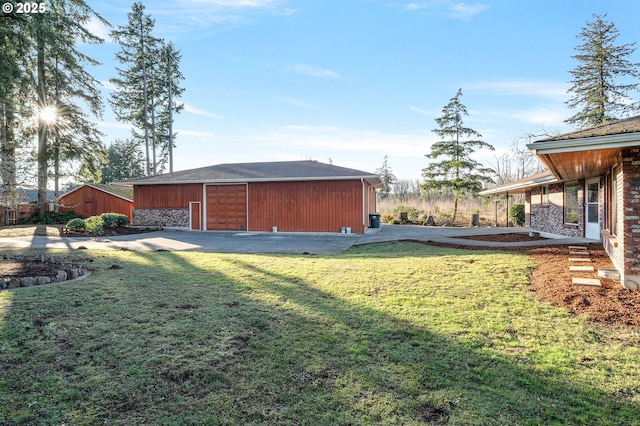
(161, 217)
(550, 217)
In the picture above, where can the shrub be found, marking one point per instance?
(395, 221)
(412, 212)
(386, 218)
(516, 214)
(113, 220)
(51, 218)
(76, 224)
(95, 225)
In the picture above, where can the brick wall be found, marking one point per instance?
(631, 210)
(550, 217)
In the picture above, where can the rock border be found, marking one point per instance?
(65, 272)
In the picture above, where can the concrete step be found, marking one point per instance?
(581, 269)
(593, 282)
(577, 248)
(579, 259)
(579, 253)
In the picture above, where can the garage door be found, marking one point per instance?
(227, 207)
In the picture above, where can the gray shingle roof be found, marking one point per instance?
(627, 125)
(279, 170)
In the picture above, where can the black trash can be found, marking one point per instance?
(374, 220)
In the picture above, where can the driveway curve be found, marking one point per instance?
(267, 242)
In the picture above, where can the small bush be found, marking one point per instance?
(386, 218)
(51, 218)
(113, 220)
(76, 224)
(516, 214)
(412, 212)
(395, 221)
(95, 225)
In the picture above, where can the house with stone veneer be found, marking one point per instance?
(591, 189)
(289, 196)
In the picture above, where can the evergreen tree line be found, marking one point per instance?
(49, 101)
(601, 90)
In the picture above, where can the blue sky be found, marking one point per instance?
(355, 80)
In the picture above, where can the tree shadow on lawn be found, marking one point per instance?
(233, 342)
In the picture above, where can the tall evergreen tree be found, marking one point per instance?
(124, 161)
(138, 50)
(605, 76)
(170, 77)
(14, 49)
(60, 86)
(458, 171)
(387, 177)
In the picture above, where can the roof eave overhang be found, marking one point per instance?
(372, 179)
(550, 153)
(520, 187)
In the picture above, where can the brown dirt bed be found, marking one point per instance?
(504, 238)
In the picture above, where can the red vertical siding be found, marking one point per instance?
(174, 196)
(88, 201)
(320, 206)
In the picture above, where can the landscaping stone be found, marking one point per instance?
(3, 283)
(13, 283)
(42, 280)
(61, 276)
(27, 281)
(581, 269)
(586, 281)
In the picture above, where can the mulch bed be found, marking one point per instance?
(112, 232)
(551, 281)
(504, 238)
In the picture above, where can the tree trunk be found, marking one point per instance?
(42, 131)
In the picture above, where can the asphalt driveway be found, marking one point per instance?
(267, 242)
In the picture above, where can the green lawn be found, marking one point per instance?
(396, 333)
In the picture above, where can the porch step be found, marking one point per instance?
(579, 253)
(577, 248)
(579, 259)
(581, 269)
(593, 282)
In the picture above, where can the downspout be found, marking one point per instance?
(363, 219)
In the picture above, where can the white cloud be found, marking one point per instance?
(194, 110)
(465, 11)
(98, 28)
(424, 111)
(234, 3)
(548, 89)
(106, 84)
(332, 139)
(313, 71)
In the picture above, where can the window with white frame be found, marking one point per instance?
(571, 205)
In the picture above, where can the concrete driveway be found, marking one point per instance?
(266, 242)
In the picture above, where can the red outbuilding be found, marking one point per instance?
(94, 199)
(289, 196)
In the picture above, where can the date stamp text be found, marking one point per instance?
(24, 8)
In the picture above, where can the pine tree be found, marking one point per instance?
(170, 77)
(602, 82)
(131, 101)
(124, 161)
(458, 171)
(387, 177)
(14, 49)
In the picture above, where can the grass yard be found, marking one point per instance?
(396, 333)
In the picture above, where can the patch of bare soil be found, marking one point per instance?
(25, 271)
(504, 238)
(551, 280)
